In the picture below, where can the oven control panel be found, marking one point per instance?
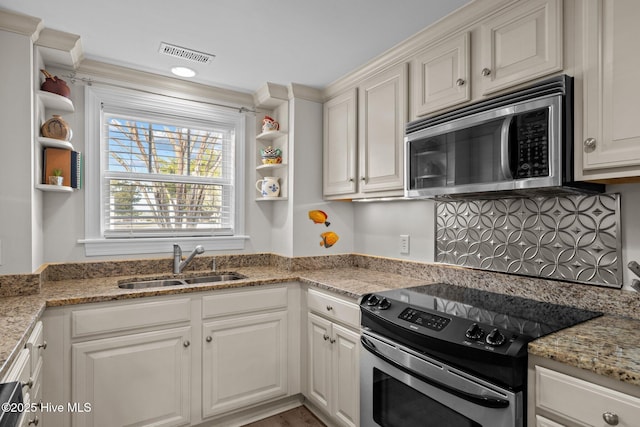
(428, 320)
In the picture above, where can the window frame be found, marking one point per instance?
(95, 242)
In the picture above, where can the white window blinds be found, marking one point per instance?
(164, 175)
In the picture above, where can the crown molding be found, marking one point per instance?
(270, 95)
(100, 72)
(21, 24)
(60, 48)
(299, 91)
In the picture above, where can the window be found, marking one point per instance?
(164, 169)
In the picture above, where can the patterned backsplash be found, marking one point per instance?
(574, 238)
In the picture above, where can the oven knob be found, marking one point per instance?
(384, 304)
(495, 338)
(475, 332)
(373, 300)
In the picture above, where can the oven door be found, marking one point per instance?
(400, 387)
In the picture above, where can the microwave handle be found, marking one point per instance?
(505, 162)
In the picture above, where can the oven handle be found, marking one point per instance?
(487, 402)
(505, 143)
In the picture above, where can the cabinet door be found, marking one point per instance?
(346, 375)
(441, 75)
(244, 361)
(340, 145)
(140, 379)
(611, 130)
(521, 44)
(319, 361)
(382, 112)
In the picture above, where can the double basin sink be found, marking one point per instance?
(159, 283)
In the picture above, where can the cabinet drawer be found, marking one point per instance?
(20, 370)
(225, 304)
(35, 345)
(333, 308)
(581, 401)
(130, 316)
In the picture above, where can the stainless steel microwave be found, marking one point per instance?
(519, 144)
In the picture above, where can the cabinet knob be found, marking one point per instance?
(486, 72)
(362, 178)
(43, 345)
(329, 308)
(186, 344)
(34, 421)
(610, 418)
(590, 143)
(460, 82)
(209, 339)
(28, 384)
(350, 179)
(325, 336)
(332, 340)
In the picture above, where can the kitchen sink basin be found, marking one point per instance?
(209, 278)
(151, 284)
(215, 278)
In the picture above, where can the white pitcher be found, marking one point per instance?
(268, 186)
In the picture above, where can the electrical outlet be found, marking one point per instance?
(404, 244)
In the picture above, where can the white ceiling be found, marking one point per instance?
(311, 42)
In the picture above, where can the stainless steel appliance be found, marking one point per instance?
(519, 144)
(445, 355)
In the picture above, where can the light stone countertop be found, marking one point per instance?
(609, 345)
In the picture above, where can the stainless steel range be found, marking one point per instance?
(443, 355)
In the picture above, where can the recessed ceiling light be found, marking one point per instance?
(183, 71)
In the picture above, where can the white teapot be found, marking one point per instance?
(268, 186)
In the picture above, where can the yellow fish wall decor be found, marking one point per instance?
(319, 217)
(329, 239)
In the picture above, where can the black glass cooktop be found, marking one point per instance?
(513, 313)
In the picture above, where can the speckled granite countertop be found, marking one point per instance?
(609, 345)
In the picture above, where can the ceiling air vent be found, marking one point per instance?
(184, 53)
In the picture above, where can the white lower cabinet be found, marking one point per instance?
(137, 379)
(217, 358)
(333, 353)
(27, 369)
(562, 396)
(244, 361)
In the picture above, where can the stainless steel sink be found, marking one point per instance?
(151, 284)
(209, 278)
(215, 278)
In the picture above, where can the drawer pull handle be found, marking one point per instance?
(325, 336)
(186, 344)
(329, 308)
(43, 345)
(34, 421)
(209, 339)
(610, 418)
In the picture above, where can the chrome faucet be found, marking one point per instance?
(178, 264)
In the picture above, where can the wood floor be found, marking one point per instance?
(297, 417)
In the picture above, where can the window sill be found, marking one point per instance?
(98, 247)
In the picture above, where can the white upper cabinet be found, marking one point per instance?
(608, 138)
(382, 115)
(340, 145)
(520, 44)
(440, 75)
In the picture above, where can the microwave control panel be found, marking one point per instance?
(532, 144)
